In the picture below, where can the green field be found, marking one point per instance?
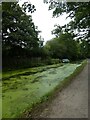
(24, 88)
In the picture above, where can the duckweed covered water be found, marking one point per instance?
(21, 92)
(28, 71)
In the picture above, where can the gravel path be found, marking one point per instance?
(71, 102)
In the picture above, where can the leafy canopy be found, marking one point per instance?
(79, 12)
(17, 27)
(63, 47)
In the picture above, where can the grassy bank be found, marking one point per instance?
(23, 91)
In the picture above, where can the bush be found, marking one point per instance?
(24, 62)
(55, 61)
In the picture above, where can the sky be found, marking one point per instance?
(44, 20)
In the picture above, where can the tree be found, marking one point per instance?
(71, 51)
(79, 12)
(84, 48)
(17, 27)
(55, 49)
(63, 47)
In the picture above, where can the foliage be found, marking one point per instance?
(84, 49)
(63, 47)
(18, 28)
(79, 12)
(79, 25)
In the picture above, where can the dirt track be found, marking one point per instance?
(71, 102)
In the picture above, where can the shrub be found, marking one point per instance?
(55, 61)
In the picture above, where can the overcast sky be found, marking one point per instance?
(44, 20)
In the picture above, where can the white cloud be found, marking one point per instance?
(43, 19)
